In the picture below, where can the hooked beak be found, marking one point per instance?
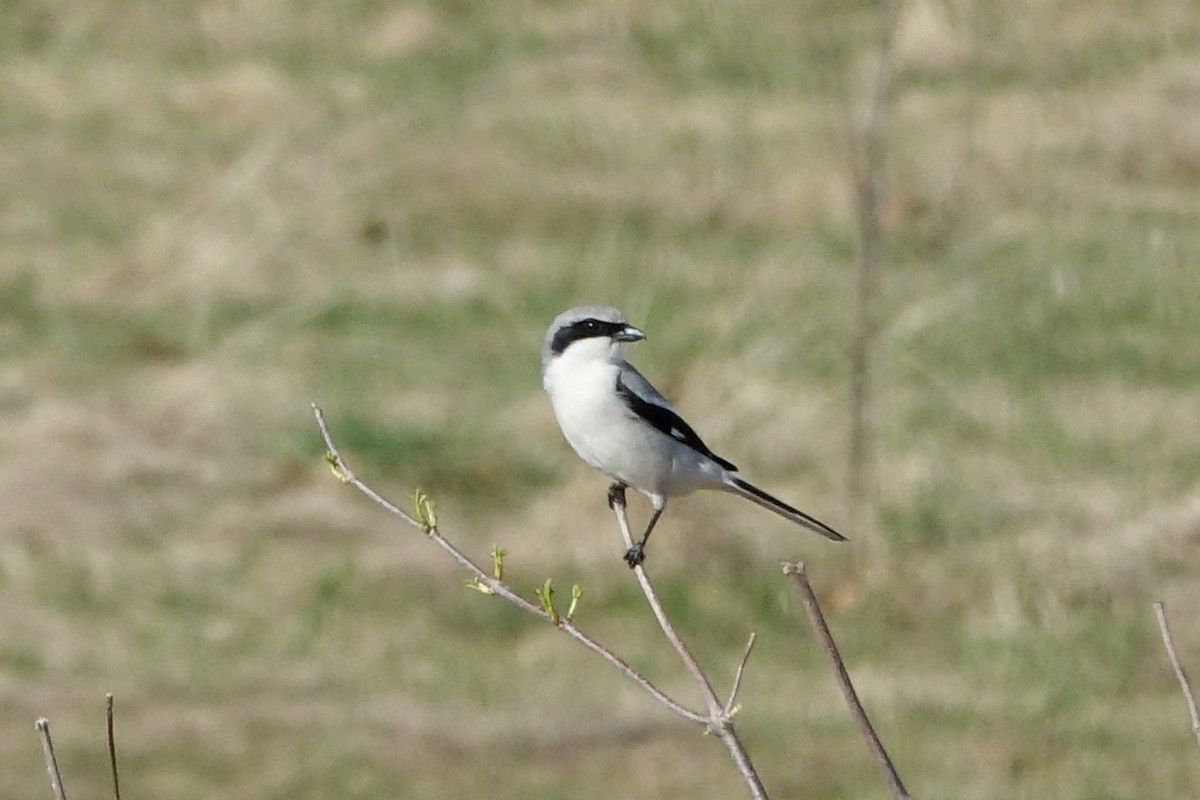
(629, 334)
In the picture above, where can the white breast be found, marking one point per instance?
(606, 434)
(592, 417)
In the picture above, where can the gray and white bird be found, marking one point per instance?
(620, 424)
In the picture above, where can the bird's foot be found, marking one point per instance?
(616, 495)
(635, 555)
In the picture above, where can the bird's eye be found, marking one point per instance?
(591, 325)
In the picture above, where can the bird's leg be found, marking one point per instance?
(637, 554)
(616, 495)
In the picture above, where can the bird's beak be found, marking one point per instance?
(629, 334)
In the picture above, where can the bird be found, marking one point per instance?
(617, 422)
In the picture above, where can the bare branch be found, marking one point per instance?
(689, 661)
(718, 719)
(869, 166)
(737, 677)
(112, 747)
(343, 473)
(494, 584)
(1177, 665)
(800, 579)
(629, 672)
(43, 727)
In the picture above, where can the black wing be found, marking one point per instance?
(667, 421)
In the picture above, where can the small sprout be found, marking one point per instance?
(476, 583)
(425, 510)
(546, 595)
(479, 586)
(335, 466)
(576, 593)
(733, 711)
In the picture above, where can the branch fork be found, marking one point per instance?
(424, 518)
(717, 718)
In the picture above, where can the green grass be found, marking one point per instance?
(214, 215)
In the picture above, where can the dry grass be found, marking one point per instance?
(215, 213)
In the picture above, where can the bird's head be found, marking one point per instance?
(588, 332)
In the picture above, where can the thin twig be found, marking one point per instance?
(870, 164)
(737, 677)
(800, 579)
(1177, 665)
(43, 726)
(495, 585)
(629, 672)
(112, 747)
(718, 720)
(664, 622)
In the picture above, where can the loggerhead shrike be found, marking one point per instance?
(620, 424)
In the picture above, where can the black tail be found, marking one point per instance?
(752, 492)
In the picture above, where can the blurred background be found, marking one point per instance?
(215, 213)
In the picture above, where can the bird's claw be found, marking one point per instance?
(635, 555)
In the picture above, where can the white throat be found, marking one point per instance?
(579, 359)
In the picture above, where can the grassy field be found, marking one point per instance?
(216, 213)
